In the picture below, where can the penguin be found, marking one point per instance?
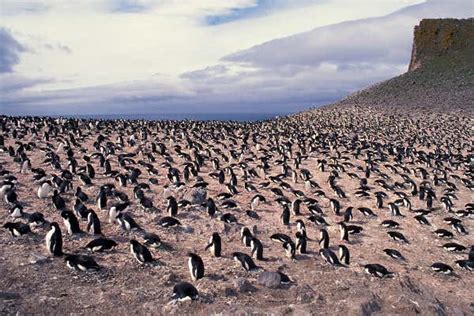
(290, 249)
(16, 211)
(152, 240)
(301, 242)
(282, 238)
(454, 247)
(335, 206)
(257, 249)
(389, 224)
(58, 201)
(168, 221)
(471, 254)
(422, 220)
(54, 240)
(196, 266)
(81, 263)
(245, 236)
(397, 236)
(71, 222)
(127, 222)
(11, 196)
(465, 264)
(295, 207)
(184, 291)
(395, 254)
(330, 257)
(211, 207)
(102, 200)
(324, 239)
(17, 229)
(348, 214)
(394, 209)
(285, 216)
(44, 189)
(228, 218)
(443, 233)
(300, 227)
(367, 212)
(93, 223)
(246, 262)
(36, 219)
(440, 267)
(343, 232)
(172, 207)
(214, 245)
(377, 270)
(344, 255)
(140, 252)
(101, 244)
(81, 195)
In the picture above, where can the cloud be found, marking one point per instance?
(282, 75)
(10, 50)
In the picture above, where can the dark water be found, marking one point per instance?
(240, 117)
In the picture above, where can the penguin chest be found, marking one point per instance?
(49, 237)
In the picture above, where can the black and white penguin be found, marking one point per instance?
(211, 207)
(465, 264)
(81, 263)
(344, 255)
(54, 240)
(44, 189)
(282, 238)
(152, 240)
(335, 206)
(81, 195)
(285, 216)
(245, 261)
(16, 211)
(454, 247)
(397, 236)
(140, 252)
(196, 266)
(290, 249)
(389, 224)
(257, 249)
(343, 232)
(58, 201)
(295, 207)
(228, 218)
(11, 197)
(422, 220)
(17, 229)
(324, 239)
(215, 246)
(35, 219)
(172, 206)
(184, 291)
(301, 227)
(245, 236)
(348, 214)
(393, 253)
(168, 221)
(440, 267)
(377, 270)
(101, 244)
(71, 222)
(330, 257)
(127, 222)
(93, 223)
(301, 242)
(256, 200)
(102, 199)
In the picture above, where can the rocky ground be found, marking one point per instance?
(34, 282)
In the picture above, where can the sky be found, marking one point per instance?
(201, 56)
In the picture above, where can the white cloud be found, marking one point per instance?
(163, 58)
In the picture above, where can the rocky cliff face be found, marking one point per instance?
(440, 37)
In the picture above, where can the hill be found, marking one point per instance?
(440, 75)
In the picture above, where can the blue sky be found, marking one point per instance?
(167, 56)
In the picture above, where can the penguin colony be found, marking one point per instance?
(321, 186)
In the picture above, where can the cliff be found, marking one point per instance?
(434, 38)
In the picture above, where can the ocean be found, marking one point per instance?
(239, 117)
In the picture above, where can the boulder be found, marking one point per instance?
(244, 286)
(269, 279)
(196, 195)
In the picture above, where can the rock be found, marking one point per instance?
(196, 196)
(269, 279)
(370, 307)
(187, 229)
(229, 292)
(244, 286)
(7, 296)
(305, 294)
